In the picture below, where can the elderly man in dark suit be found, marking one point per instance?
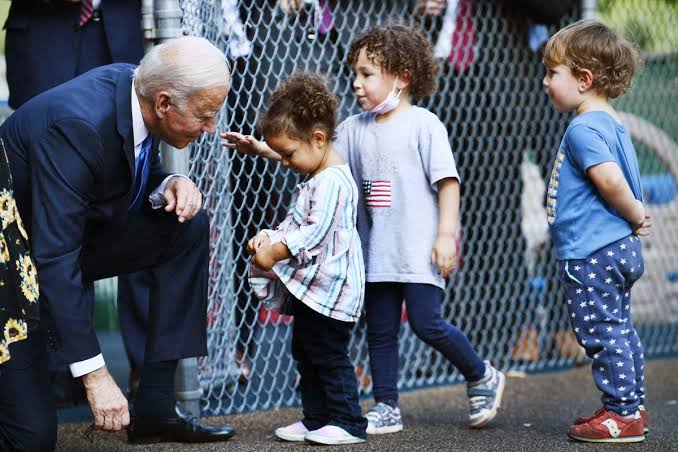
(84, 157)
(91, 33)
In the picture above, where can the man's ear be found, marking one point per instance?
(162, 104)
(585, 80)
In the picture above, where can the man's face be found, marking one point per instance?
(179, 127)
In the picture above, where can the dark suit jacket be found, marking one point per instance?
(71, 154)
(43, 42)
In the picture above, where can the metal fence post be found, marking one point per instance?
(588, 9)
(161, 21)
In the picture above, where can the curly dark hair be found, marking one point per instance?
(592, 45)
(298, 106)
(396, 48)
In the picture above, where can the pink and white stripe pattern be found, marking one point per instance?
(86, 11)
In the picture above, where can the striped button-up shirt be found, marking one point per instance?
(326, 271)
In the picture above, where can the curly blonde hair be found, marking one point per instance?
(396, 48)
(298, 106)
(592, 45)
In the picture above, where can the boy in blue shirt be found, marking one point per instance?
(596, 215)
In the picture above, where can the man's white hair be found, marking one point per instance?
(182, 67)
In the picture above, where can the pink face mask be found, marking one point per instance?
(391, 101)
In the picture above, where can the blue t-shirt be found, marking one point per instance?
(581, 221)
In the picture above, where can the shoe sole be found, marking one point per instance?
(290, 436)
(497, 404)
(332, 441)
(627, 439)
(385, 430)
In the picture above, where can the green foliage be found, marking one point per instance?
(651, 24)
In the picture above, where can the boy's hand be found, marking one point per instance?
(643, 230)
(444, 254)
(257, 242)
(264, 258)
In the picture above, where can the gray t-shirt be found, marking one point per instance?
(396, 166)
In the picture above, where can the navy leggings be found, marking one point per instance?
(383, 304)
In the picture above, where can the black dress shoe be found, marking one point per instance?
(182, 428)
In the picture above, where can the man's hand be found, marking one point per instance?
(183, 197)
(431, 7)
(257, 242)
(264, 258)
(289, 6)
(108, 405)
(248, 145)
(444, 254)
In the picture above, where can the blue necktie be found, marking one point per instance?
(142, 166)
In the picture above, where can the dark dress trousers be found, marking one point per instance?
(71, 154)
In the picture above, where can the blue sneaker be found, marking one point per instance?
(383, 418)
(485, 396)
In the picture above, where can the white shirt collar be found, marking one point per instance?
(138, 127)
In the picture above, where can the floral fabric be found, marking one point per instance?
(19, 291)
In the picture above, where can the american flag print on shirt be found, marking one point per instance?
(377, 193)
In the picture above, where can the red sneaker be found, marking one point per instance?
(609, 427)
(599, 411)
(643, 416)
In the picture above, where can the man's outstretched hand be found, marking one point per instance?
(108, 405)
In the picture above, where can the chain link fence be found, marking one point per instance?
(505, 295)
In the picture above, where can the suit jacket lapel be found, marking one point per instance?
(123, 101)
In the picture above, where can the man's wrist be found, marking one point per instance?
(90, 379)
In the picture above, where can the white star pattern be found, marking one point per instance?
(591, 301)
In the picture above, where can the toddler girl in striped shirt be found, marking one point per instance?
(313, 261)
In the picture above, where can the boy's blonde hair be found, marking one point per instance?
(592, 45)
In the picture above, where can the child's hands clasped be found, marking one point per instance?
(264, 258)
(258, 242)
(444, 254)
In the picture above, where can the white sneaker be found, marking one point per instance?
(331, 435)
(293, 432)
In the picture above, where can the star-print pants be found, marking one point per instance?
(598, 292)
